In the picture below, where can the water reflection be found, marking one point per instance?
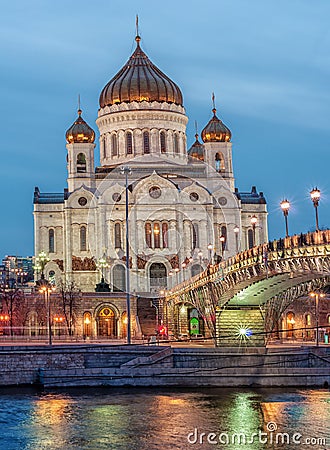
(136, 419)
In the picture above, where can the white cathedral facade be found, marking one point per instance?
(184, 209)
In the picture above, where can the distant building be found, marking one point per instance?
(16, 270)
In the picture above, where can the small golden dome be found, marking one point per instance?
(216, 130)
(80, 132)
(197, 149)
(140, 80)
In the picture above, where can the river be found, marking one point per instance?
(148, 419)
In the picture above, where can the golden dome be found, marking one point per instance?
(216, 130)
(80, 132)
(197, 149)
(140, 80)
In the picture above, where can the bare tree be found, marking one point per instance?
(69, 297)
(13, 302)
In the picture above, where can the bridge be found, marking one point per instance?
(242, 299)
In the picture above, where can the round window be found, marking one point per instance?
(194, 196)
(155, 192)
(222, 201)
(116, 197)
(82, 201)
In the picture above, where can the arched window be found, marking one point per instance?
(51, 241)
(119, 281)
(146, 142)
(223, 234)
(195, 236)
(114, 146)
(83, 238)
(162, 142)
(51, 277)
(165, 234)
(148, 234)
(250, 238)
(176, 143)
(103, 142)
(81, 163)
(290, 322)
(117, 235)
(87, 319)
(129, 143)
(219, 163)
(156, 235)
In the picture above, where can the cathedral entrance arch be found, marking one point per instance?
(106, 322)
(157, 274)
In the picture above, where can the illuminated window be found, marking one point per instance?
(146, 143)
(83, 240)
(176, 143)
(114, 145)
(129, 143)
(308, 320)
(87, 318)
(156, 235)
(148, 234)
(51, 241)
(81, 163)
(117, 235)
(162, 142)
(165, 234)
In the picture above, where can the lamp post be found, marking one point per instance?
(126, 171)
(223, 246)
(210, 248)
(254, 221)
(236, 231)
(315, 197)
(46, 288)
(317, 296)
(40, 263)
(285, 206)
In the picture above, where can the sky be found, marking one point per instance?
(268, 63)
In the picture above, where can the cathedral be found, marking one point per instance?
(183, 210)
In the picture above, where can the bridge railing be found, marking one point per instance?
(300, 245)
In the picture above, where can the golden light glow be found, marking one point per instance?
(87, 320)
(254, 220)
(315, 194)
(285, 205)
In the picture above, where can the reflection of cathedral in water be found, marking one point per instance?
(184, 208)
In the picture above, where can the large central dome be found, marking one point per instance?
(140, 80)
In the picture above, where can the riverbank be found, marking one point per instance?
(137, 365)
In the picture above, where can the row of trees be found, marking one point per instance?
(19, 311)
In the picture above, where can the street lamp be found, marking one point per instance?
(46, 288)
(285, 206)
(236, 231)
(315, 197)
(40, 263)
(126, 171)
(254, 221)
(223, 245)
(210, 248)
(317, 296)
